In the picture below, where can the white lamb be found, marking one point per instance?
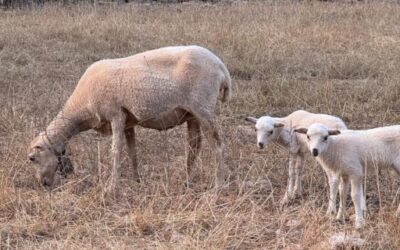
(157, 89)
(280, 130)
(348, 155)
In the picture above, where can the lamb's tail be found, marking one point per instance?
(226, 86)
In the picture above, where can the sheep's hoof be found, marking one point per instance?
(359, 225)
(110, 191)
(136, 178)
(330, 212)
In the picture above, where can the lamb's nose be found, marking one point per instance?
(32, 158)
(315, 152)
(261, 145)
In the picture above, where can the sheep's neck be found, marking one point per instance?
(283, 138)
(329, 158)
(65, 125)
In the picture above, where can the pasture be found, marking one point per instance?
(336, 58)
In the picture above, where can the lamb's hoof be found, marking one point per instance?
(110, 192)
(359, 225)
(340, 218)
(284, 202)
(330, 213)
(136, 179)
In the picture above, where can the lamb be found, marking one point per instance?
(156, 89)
(280, 130)
(349, 154)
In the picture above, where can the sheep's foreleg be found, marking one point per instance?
(117, 126)
(298, 172)
(343, 191)
(194, 141)
(357, 197)
(131, 141)
(333, 190)
(291, 180)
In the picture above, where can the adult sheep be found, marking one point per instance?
(281, 130)
(349, 154)
(156, 89)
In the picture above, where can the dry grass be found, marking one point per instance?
(336, 58)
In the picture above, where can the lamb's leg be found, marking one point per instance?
(398, 212)
(357, 197)
(298, 190)
(289, 190)
(194, 141)
(343, 191)
(131, 141)
(117, 126)
(333, 190)
(396, 166)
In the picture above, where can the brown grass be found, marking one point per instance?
(335, 58)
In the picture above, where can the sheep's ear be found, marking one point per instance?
(333, 132)
(251, 119)
(278, 125)
(301, 130)
(66, 166)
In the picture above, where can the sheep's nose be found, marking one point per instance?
(315, 152)
(261, 145)
(32, 158)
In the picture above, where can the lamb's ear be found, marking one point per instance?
(251, 119)
(278, 125)
(301, 130)
(333, 132)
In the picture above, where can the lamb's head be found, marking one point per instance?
(49, 158)
(317, 137)
(267, 129)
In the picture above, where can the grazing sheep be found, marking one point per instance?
(157, 89)
(350, 154)
(280, 130)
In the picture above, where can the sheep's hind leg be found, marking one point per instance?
(210, 129)
(131, 141)
(117, 126)
(194, 141)
(397, 169)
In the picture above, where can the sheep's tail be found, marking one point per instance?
(226, 86)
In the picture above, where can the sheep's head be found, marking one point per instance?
(49, 159)
(267, 129)
(317, 137)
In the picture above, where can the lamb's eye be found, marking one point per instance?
(308, 137)
(271, 132)
(255, 129)
(325, 138)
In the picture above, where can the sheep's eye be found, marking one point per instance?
(38, 147)
(255, 129)
(325, 138)
(308, 137)
(271, 132)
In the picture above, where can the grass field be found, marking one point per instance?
(337, 58)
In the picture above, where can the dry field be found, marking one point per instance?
(336, 58)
